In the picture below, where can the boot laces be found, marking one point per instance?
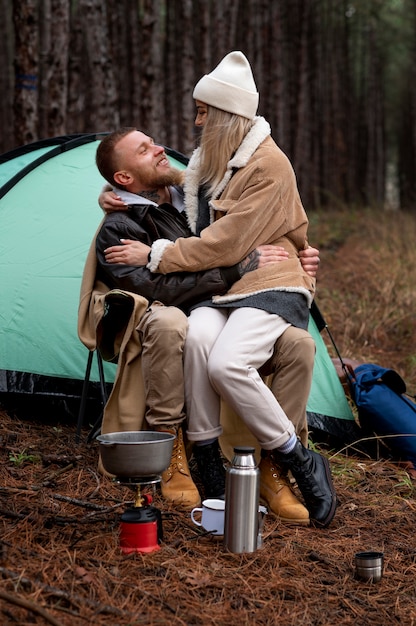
(277, 475)
(176, 461)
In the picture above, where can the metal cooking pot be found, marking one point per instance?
(133, 454)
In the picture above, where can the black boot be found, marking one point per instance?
(313, 476)
(211, 469)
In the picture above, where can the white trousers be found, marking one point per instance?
(224, 349)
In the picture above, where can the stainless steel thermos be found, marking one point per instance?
(242, 494)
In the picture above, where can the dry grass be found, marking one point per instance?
(59, 557)
(366, 286)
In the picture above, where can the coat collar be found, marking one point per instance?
(130, 198)
(256, 135)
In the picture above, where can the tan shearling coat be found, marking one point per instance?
(125, 408)
(257, 202)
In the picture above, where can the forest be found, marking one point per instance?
(337, 80)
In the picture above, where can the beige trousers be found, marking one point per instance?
(223, 353)
(289, 373)
(162, 331)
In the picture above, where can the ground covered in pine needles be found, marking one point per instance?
(60, 561)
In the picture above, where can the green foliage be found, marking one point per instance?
(22, 457)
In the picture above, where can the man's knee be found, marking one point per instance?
(160, 319)
(291, 368)
(294, 349)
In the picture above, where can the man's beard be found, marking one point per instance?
(165, 179)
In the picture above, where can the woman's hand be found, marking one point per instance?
(129, 253)
(110, 201)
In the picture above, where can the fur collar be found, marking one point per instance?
(256, 135)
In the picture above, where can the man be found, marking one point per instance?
(131, 161)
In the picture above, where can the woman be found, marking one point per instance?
(240, 192)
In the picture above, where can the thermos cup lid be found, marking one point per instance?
(244, 450)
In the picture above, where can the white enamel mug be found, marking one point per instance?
(212, 516)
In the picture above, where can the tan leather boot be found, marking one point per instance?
(177, 485)
(275, 490)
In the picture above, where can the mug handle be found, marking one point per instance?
(192, 516)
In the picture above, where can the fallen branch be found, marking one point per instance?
(94, 517)
(60, 520)
(57, 496)
(31, 606)
(13, 515)
(59, 593)
(54, 475)
(60, 459)
(83, 503)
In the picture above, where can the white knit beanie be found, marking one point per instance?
(230, 87)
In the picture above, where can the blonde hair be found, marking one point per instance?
(222, 135)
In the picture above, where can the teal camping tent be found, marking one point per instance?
(49, 214)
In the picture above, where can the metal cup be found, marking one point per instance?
(212, 516)
(369, 566)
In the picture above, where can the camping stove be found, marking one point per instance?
(141, 525)
(138, 458)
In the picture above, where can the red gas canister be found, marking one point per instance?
(140, 530)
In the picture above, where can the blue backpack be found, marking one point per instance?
(383, 407)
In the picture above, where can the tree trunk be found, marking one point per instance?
(53, 71)
(97, 70)
(26, 28)
(124, 35)
(6, 77)
(406, 124)
(150, 70)
(187, 107)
